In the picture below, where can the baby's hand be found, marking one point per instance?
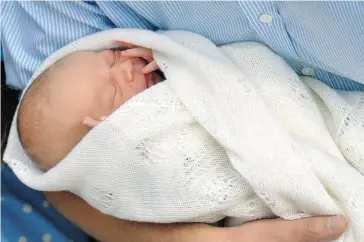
(137, 51)
(91, 122)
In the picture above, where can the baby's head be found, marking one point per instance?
(62, 104)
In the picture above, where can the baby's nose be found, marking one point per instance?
(123, 71)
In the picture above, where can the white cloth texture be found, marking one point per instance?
(232, 133)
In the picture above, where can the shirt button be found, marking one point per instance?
(308, 71)
(265, 18)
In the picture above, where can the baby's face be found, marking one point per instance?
(85, 84)
(94, 84)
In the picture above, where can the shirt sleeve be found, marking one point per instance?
(31, 31)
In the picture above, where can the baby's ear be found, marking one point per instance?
(127, 66)
(90, 122)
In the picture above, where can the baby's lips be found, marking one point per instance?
(149, 78)
(156, 77)
(152, 78)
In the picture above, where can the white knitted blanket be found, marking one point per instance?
(232, 132)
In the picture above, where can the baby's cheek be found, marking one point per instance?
(140, 83)
(106, 103)
(133, 88)
(133, 91)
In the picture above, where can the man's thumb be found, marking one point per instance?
(319, 228)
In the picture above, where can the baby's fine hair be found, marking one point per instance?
(32, 119)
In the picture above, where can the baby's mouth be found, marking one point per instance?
(152, 79)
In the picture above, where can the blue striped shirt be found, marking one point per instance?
(322, 39)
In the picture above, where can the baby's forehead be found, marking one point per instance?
(74, 59)
(97, 51)
(81, 53)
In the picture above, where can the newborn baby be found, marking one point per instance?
(233, 132)
(72, 95)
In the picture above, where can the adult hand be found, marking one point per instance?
(315, 229)
(111, 229)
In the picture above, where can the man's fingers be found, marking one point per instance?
(152, 66)
(317, 229)
(314, 229)
(138, 52)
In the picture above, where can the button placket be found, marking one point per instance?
(308, 71)
(265, 18)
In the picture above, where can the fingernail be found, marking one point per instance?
(335, 222)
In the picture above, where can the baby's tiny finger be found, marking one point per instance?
(90, 122)
(152, 66)
(125, 44)
(138, 52)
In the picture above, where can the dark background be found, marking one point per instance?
(9, 101)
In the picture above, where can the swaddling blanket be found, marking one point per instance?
(232, 132)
